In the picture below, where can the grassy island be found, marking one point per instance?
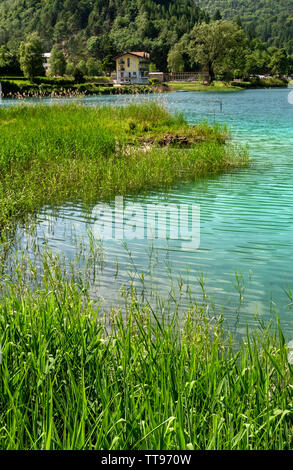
(49, 154)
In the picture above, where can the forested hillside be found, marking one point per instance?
(151, 25)
(270, 20)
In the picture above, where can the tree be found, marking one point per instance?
(78, 75)
(279, 63)
(108, 64)
(153, 67)
(94, 67)
(57, 62)
(175, 59)
(70, 68)
(8, 62)
(219, 47)
(257, 62)
(31, 57)
(60, 31)
(82, 67)
(100, 46)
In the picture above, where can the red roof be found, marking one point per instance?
(144, 55)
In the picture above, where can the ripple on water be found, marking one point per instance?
(246, 216)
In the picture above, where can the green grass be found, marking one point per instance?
(49, 154)
(137, 380)
(194, 86)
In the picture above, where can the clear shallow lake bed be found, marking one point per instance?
(246, 217)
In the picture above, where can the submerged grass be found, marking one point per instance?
(138, 380)
(52, 153)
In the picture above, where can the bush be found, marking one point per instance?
(78, 76)
(241, 84)
(154, 81)
(64, 82)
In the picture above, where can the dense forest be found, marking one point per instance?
(270, 20)
(97, 30)
(111, 26)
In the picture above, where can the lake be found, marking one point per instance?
(246, 230)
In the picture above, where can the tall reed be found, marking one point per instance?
(71, 379)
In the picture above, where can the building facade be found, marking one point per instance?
(132, 68)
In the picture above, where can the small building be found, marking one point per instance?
(46, 63)
(132, 68)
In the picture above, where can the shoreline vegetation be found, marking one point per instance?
(49, 154)
(218, 86)
(138, 378)
(42, 87)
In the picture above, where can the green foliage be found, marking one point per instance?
(8, 62)
(94, 67)
(154, 81)
(31, 57)
(175, 59)
(81, 66)
(69, 68)
(101, 28)
(218, 47)
(271, 21)
(57, 62)
(85, 153)
(279, 63)
(136, 378)
(78, 75)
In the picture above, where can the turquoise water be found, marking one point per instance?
(246, 217)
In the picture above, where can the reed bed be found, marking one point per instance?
(135, 379)
(49, 154)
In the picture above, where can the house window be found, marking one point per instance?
(134, 74)
(128, 62)
(122, 74)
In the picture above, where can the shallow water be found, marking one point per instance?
(246, 217)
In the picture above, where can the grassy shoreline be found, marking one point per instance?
(214, 87)
(234, 86)
(72, 380)
(49, 154)
(21, 88)
(42, 87)
(138, 379)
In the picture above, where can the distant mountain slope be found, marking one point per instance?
(151, 25)
(271, 20)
